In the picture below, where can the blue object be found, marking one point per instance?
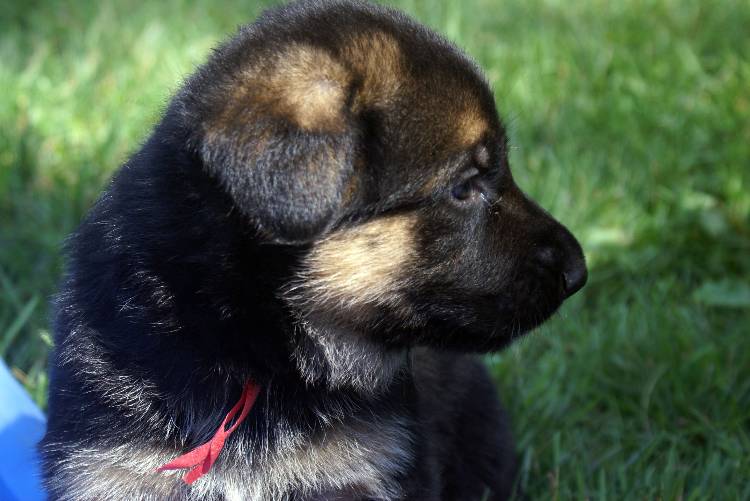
(21, 427)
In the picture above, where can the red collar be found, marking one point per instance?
(202, 458)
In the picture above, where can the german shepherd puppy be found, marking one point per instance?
(325, 211)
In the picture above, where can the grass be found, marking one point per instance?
(630, 122)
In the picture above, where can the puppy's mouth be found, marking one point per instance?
(514, 322)
(519, 309)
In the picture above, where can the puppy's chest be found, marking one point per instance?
(362, 460)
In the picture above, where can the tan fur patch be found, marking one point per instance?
(361, 265)
(312, 86)
(378, 62)
(355, 460)
(301, 83)
(470, 126)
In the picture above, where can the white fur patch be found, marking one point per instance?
(359, 458)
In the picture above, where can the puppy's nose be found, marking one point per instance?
(575, 275)
(563, 255)
(574, 269)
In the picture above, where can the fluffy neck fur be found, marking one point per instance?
(186, 295)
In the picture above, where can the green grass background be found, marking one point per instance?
(630, 121)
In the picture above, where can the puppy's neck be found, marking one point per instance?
(341, 358)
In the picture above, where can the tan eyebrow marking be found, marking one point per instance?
(470, 127)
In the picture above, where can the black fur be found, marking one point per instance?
(200, 268)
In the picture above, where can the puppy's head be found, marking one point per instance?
(374, 146)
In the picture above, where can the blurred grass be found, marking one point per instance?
(630, 122)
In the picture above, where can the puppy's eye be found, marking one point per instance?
(468, 187)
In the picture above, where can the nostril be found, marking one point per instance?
(575, 278)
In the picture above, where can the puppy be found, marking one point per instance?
(304, 253)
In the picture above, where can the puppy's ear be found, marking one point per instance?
(279, 137)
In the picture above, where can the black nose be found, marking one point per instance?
(575, 276)
(573, 263)
(563, 254)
